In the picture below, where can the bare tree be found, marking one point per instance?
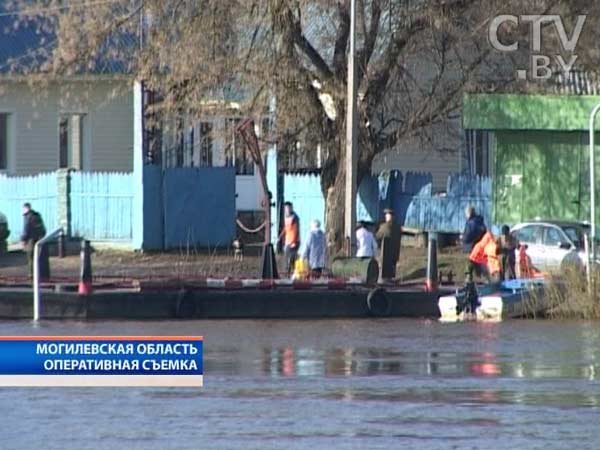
(415, 60)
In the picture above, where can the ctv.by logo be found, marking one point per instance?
(540, 64)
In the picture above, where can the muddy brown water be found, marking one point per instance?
(363, 384)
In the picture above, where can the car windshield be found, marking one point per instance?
(575, 234)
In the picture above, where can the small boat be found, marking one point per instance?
(494, 302)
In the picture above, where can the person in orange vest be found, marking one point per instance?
(291, 236)
(524, 263)
(483, 259)
(526, 269)
(493, 262)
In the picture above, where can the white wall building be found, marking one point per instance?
(84, 124)
(213, 142)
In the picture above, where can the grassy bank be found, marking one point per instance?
(570, 296)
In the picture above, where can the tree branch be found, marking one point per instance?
(378, 84)
(311, 53)
(365, 54)
(341, 42)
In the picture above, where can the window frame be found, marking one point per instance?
(235, 149)
(70, 157)
(547, 231)
(206, 144)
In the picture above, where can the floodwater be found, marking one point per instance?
(362, 384)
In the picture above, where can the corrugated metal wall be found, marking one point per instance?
(101, 205)
(541, 174)
(39, 190)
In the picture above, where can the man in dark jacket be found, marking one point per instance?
(474, 229)
(4, 233)
(33, 231)
(390, 232)
(507, 245)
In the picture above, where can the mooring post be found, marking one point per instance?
(431, 283)
(43, 258)
(62, 251)
(269, 263)
(85, 283)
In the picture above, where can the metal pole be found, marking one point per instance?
(593, 187)
(351, 131)
(36, 271)
(586, 247)
(36, 282)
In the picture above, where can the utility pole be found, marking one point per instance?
(592, 194)
(351, 135)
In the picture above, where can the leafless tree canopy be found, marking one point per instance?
(415, 60)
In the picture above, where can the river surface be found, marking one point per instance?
(362, 384)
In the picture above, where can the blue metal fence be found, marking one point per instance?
(409, 195)
(446, 213)
(183, 206)
(101, 205)
(199, 207)
(39, 190)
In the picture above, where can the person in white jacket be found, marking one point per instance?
(365, 242)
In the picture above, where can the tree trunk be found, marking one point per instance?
(334, 210)
(333, 185)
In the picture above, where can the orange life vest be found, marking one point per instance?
(526, 269)
(478, 254)
(292, 234)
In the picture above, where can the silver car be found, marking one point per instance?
(553, 245)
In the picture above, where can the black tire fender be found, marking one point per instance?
(378, 303)
(186, 306)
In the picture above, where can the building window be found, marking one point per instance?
(153, 129)
(231, 141)
(70, 141)
(265, 129)
(206, 144)
(63, 143)
(3, 141)
(236, 152)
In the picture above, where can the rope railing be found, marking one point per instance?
(250, 230)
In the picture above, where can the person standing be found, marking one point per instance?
(33, 231)
(315, 250)
(365, 242)
(507, 245)
(291, 236)
(474, 229)
(483, 259)
(389, 233)
(4, 233)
